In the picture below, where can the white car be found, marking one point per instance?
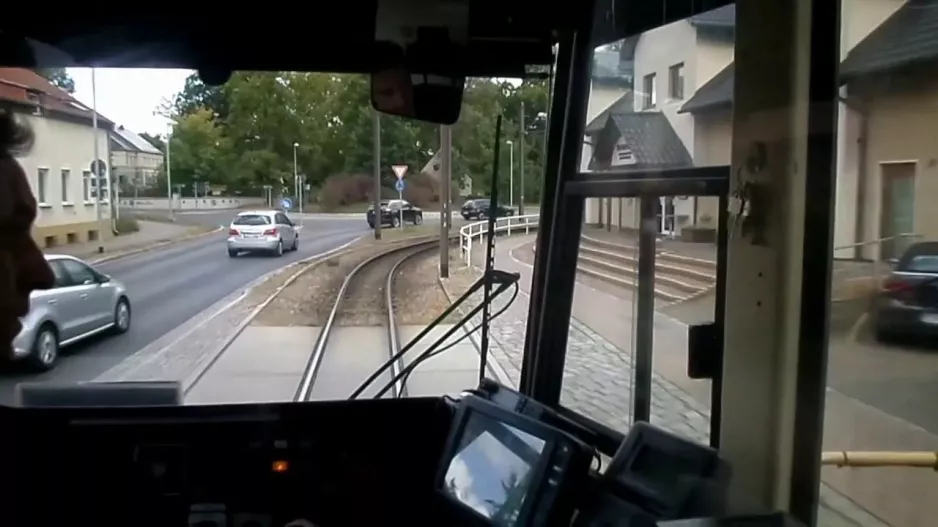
(269, 231)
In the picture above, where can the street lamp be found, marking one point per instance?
(511, 174)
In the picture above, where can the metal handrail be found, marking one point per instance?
(471, 231)
(881, 459)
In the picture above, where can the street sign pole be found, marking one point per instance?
(399, 171)
(301, 196)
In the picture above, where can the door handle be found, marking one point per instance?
(53, 301)
(83, 295)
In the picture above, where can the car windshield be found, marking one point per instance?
(252, 219)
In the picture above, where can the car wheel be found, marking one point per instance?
(45, 349)
(481, 216)
(279, 250)
(418, 219)
(296, 243)
(122, 316)
(232, 254)
(395, 222)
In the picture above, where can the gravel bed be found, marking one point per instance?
(309, 299)
(418, 297)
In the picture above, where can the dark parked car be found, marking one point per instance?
(481, 209)
(908, 302)
(393, 211)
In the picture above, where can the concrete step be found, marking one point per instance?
(707, 267)
(611, 266)
(618, 265)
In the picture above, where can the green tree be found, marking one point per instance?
(200, 151)
(59, 77)
(256, 118)
(196, 95)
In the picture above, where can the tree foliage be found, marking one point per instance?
(59, 77)
(244, 135)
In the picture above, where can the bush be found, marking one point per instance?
(345, 189)
(126, 225)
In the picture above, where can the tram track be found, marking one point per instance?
(363, 310)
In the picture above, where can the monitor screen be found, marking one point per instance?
(492, 469)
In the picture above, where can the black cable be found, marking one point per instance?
(429, 354)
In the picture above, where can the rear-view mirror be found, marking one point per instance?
(429, 97)
(417, 60)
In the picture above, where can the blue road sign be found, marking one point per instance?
(399, 185)
(286, 203)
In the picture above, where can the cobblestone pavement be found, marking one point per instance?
(597, 382)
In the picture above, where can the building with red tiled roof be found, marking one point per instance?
(59, 164)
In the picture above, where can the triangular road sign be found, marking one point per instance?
(399, 170)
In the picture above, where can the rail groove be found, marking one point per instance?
(305, 387)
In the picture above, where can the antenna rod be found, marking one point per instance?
(490, 251)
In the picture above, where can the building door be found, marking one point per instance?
(897, 216)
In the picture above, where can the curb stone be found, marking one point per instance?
(157, 245)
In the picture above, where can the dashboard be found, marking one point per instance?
(348, 463)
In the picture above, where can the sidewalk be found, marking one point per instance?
(150, 233)
(598, 382)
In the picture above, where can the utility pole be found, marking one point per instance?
(96, 165)
(524, 133)
(169, 174)
(377, 172)
(446, 215)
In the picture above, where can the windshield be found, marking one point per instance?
(252, 219)
(221, 193)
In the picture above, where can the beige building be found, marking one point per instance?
(135, 162)
(886, 161)
(59, 165)
(670, 64)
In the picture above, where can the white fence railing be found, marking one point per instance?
(473, 232)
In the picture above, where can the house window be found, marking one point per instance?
(42, 183)
(676, 82)
(66, 176)
(649, 100)
(86, 185)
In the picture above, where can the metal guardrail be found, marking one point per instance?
(507, 224)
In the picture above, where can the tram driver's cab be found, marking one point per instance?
(495, 456)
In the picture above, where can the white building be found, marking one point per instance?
(59, 165)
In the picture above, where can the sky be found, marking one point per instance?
(129, 97)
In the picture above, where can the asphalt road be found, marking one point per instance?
(168, 287)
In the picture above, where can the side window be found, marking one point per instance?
(62, 278)
(80, 273)
(282, 219)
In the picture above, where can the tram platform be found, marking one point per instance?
(597, 383)
(266, 364)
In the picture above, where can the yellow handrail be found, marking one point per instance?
(881, 459)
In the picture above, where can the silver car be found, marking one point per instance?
(83, 302)
(269, 231)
